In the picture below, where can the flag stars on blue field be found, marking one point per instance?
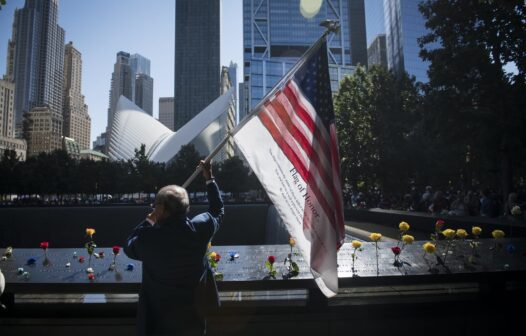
(315, 83)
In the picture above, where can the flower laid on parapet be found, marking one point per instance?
(497, 235)
(269, 265)
(292, 267)
(439, 224)
(116, 250)
(429, 248)
(450, 235)
(357, 245)
(403, 227)
(375, 237)
(474, 243)
(213, 259)
(90, 245)
(404, 240)
(44, 246)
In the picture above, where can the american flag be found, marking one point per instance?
(299, 118)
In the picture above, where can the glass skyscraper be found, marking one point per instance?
(276, 35)
(197, 68)
(38, 58)
(404, 24)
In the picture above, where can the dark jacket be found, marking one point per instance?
(177, 283)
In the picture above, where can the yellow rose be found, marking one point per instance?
(448, 233)
(429, 247)
(403, 226)
(498, 234)
(461, 233)
(356, 244)
(292, 242)
(90, 232)
(408, 239)
(212, 255)
(209, 245)
(375, 236)
(476, 230)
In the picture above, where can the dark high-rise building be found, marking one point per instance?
(121, 83)
(197, 67)
(144, 92)
(357, 35)
(376, 53)
(38, 69)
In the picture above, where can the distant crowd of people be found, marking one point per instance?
(484, 202)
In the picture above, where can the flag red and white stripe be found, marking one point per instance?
(293, 150)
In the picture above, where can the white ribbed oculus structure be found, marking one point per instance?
(132, 127)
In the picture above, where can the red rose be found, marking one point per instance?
(81, 259)
(271, 259)
(218, 257)
(44, 245)
(116, 249)
(91, 276)
(101, 254)
(396, 250)
(439, 223)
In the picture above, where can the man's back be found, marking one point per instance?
(177, 279)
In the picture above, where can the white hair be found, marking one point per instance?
(174, 199)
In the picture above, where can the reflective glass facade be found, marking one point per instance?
(39, 58)
(404, 25)
(276, 35)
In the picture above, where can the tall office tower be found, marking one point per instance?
(7, 95)
(404, 24)
(277, 33)
(139, 65)
(197, 67)
(376, 53)
(144, 92)
(227, 122)
(10, 62)
(77, 122)
(39, 58)
(166, 111)
(121, 83)
(244, 101)
(357, 32)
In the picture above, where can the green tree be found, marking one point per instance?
(474, 104)
(376, 117)
(233, 176)
(182, 166)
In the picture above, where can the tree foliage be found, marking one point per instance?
(376, 114)
(475, 106)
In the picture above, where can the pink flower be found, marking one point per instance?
(44, 245)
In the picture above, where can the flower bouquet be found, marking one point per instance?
(213, 259)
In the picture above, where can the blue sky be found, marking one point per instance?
(101, 28)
